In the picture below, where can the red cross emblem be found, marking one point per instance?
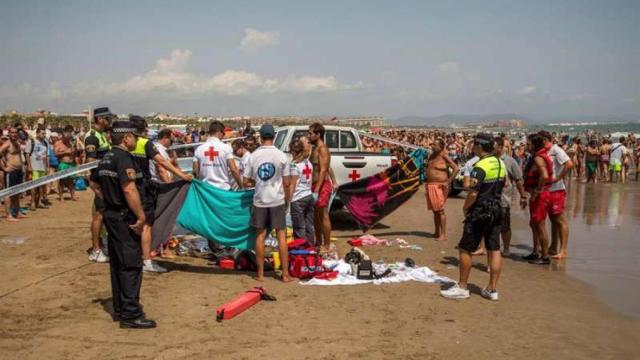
(354, 175)
(306, 171)
(211, 154)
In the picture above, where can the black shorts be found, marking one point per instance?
(13, 178)
(149, 208)
(505, 221)
(98, 203)
(148, 196)
(269, 218)
(474, 232)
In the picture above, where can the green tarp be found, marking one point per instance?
(219, 215)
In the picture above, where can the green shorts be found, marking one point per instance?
(37, 174)
(65, 166)
(615, 166)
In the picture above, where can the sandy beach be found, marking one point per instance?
(53, 304)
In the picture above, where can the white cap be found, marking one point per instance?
(54, 134)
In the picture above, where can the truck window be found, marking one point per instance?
(331, 139)
(298, 134)
(347, 140)
(280, 138)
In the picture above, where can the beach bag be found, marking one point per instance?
(305, 266)
(246, 260)
(80, 184)
(304, 261)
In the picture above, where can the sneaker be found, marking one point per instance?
(491, 295)
(152, 266)
(540, 261)
(98, 256)
(532, 256)
(455, 292)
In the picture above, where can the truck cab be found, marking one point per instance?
(348, 160)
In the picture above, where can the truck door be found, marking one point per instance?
(353, 165)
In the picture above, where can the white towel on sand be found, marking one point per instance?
(401, 273)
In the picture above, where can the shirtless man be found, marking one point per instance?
(12, 166)
(437, 186)
(65, 152)
(604, 159)
(321, 185)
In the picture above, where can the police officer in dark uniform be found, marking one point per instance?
(124, 219)
(482, 218)
(96, 146)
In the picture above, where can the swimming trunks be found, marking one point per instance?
(325, 194)
(436, 196)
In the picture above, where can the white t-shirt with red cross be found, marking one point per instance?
(303, 171)
(212, 158)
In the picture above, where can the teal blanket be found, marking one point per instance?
(219, 215)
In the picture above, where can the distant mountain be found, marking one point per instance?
(601, 119)
(451, 119)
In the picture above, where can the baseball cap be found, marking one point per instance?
(267, 130)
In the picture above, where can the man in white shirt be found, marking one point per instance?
(466, 169)
(268, 170)
(37, 150)
(617, 153)
(158, 173)
(562, 165)
(213, 160)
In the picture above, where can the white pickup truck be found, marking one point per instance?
(348, 160)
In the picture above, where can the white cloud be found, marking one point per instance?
(254, 40)
(529, 90)
(171, 76)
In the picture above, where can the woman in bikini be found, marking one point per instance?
(579, 156)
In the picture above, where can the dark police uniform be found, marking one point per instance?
(144, 152)
(116, 168)
(483, 218)
(96, 146)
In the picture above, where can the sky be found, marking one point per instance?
(390, 58)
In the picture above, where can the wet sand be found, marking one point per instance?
(604, 220)
(54, 303)
(604, 245)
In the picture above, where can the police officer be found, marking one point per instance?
(124, 219)
(482, 218)
(144, 152)
(96, 146)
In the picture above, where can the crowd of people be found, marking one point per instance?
(31, 153)
(489, 167)
(537, 165)
(597, 157)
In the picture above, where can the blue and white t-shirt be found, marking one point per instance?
(266, 166)
(38, 151)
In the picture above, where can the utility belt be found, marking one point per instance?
(124, 212)
(487, 212)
